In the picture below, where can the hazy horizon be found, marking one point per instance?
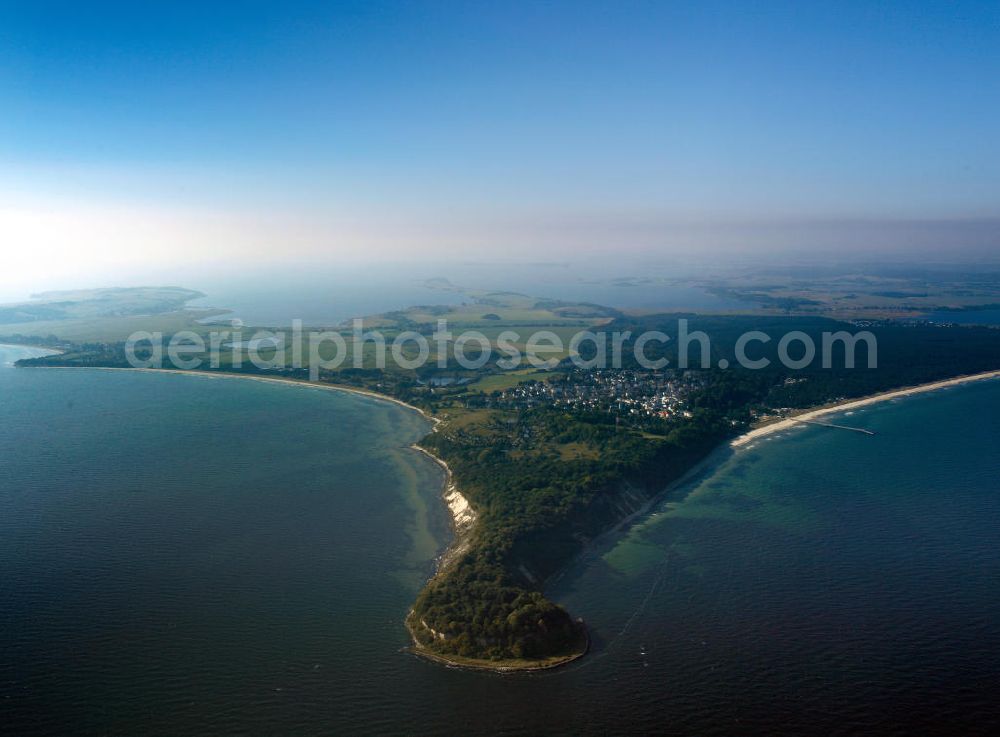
(140, 144)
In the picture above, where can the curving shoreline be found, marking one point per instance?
(253, 377)
(809, 414)
(464, 516)
(511, 666)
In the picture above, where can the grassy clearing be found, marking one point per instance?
(458, 418)
(508, 379)
(577, 451)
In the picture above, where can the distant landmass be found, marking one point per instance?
(91, 303)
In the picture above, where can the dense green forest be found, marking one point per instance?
(536, 510)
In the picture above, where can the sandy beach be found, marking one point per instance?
(252, 377)
(798, 419)
(463, 516)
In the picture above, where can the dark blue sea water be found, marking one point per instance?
(965, 317)
(184, 555)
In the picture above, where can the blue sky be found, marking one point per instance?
(436, 122)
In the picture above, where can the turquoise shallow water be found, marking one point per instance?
(183, 555)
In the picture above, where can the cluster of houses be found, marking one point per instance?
(618, 391)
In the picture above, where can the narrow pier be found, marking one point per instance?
(839, 427)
